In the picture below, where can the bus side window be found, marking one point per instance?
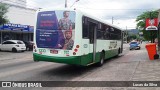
(99, 34)
(85, 28)
(91, 32)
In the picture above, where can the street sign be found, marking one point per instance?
(151, 24)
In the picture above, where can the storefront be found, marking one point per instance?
(12, 31)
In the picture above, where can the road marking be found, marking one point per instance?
(25, 69)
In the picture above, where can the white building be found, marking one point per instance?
(21, 15)
(21, 3)
(18, 15)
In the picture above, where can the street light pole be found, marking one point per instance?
(126, 32)
(65, 3)
(112, 20)
(75, 2)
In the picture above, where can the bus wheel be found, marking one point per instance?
(101, 60)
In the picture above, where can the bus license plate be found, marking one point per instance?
(54, 51)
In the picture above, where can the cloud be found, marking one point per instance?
(124, 12)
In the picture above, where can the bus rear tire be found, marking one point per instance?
(101, 62)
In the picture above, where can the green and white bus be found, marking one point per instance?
(73, 37)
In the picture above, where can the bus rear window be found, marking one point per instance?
(55, 29)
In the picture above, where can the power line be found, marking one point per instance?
(117, 9)
(23, 13)
(83, 4)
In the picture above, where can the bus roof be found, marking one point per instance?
(100, 20)
(83, 13)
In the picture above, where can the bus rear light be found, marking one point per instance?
(77, 46)
(74, 53)
(75, 50)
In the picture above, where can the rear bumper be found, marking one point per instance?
(137, 47)
(68, 60)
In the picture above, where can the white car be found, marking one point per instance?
(13, 45)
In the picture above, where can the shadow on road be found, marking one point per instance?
(68, 72)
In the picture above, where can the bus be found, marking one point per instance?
(74, 37)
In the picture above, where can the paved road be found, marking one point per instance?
(132, 65)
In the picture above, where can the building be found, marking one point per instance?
(21, 21)
(21, 3)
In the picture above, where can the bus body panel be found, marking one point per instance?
(63, 56)
(110, 49)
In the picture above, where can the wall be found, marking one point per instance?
(20, 15)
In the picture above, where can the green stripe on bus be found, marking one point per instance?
(67, 60)
(88, 58)
(77, 60)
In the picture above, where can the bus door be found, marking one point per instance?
(92, 40)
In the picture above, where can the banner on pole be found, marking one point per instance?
(151, 24)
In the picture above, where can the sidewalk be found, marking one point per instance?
(147, 70)
(132, 66)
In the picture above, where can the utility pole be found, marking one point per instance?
(126, 33)
(65, 3)
(112, 20)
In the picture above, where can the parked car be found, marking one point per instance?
(135, 45)
(29, 45)
(13, 45)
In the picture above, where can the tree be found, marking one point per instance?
(148, 35)
(3, 11)
(133, 37)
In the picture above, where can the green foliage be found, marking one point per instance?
(3, 11)
(133, 37)
(148, 35)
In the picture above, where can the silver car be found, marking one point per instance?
(13, 45)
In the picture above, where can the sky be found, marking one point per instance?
(123, 12)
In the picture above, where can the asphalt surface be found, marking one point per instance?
(131, 65)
